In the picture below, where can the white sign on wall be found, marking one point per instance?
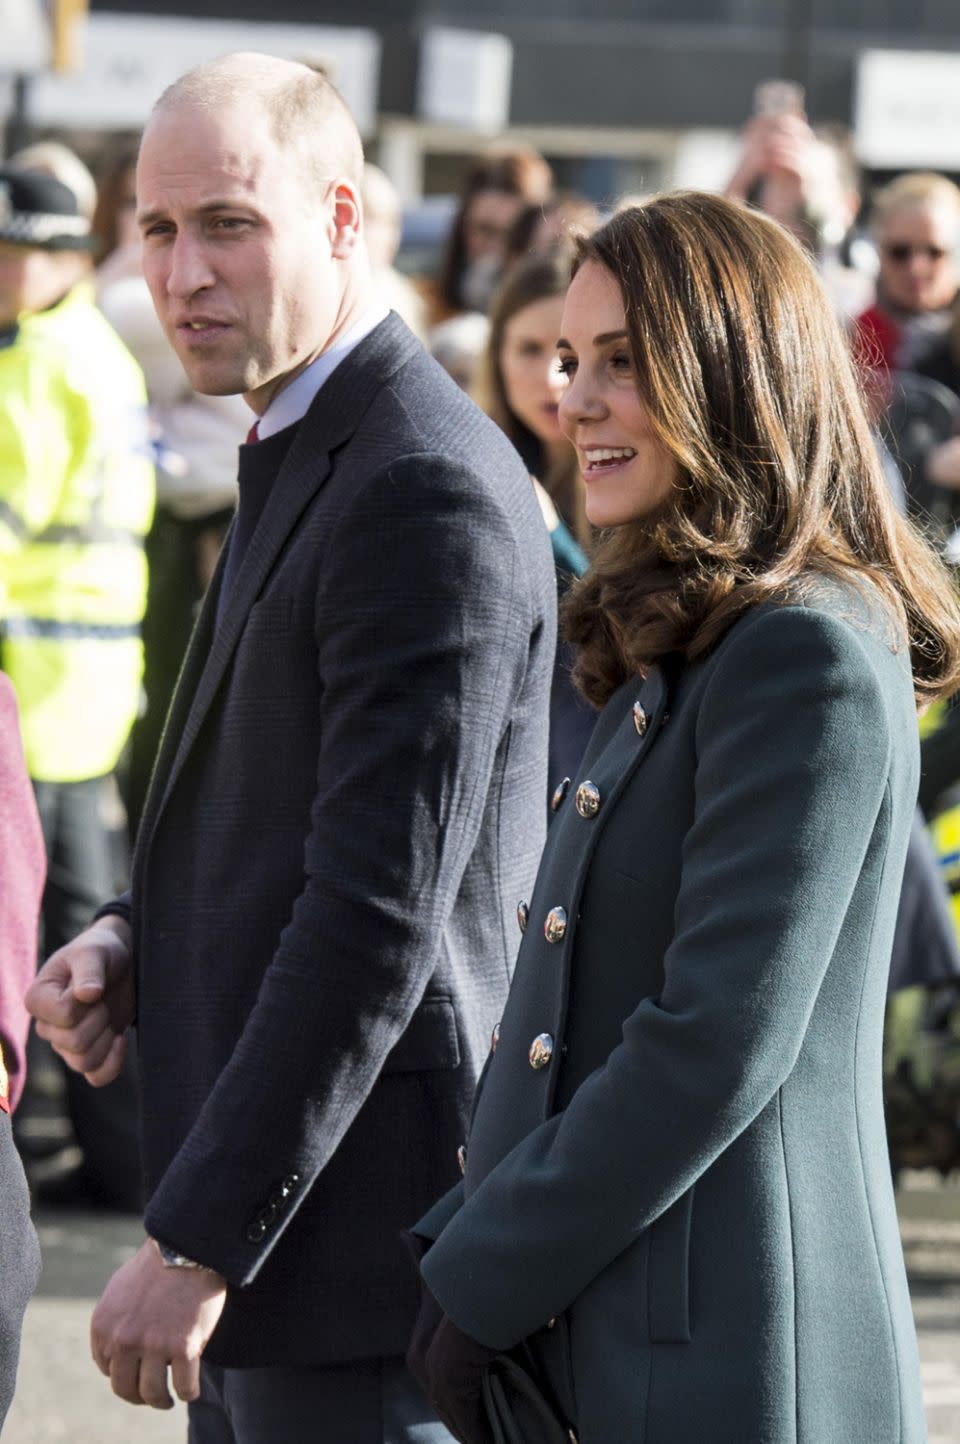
(130, 59)
(465, 78)
(24, 36)
(907, 109)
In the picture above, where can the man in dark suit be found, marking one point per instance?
(345, 806)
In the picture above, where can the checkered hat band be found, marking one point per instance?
(36, 228)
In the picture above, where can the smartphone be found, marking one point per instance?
(779, 97)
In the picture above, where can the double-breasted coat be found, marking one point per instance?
(676, 1181)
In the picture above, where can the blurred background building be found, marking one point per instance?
(620, 95)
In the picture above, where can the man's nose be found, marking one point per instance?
(190, 270)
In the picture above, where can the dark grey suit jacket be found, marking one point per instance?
(693, 1186)
(345, 809)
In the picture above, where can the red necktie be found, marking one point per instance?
(253, 434)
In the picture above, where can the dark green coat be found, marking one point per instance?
(694, 1185)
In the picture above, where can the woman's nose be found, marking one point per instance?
(581, 401)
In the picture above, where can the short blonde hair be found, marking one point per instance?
(304, 107)
(917, 188)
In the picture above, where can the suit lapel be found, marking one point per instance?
(331, 420)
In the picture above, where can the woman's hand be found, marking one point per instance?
(449, 1367)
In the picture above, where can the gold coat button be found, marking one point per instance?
(639, 718)
(588, 799)
(560, 794)
(555, 925)
(462, 1157)
(495, 1038)
(523, 914)
(541, 1051)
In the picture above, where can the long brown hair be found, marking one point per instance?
(521, 172)
(747, 380)
(536, 279)
(112, 184)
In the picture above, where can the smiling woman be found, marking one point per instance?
(627, 470)
(676, 1209)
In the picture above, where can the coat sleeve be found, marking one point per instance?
(22, 869)
(424, 625)
(793, 749)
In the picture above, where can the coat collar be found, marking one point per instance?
(331, 420)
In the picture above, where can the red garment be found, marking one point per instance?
(876, 343)
(22, 871)
(876, 339)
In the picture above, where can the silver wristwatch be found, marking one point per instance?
(173, 1260)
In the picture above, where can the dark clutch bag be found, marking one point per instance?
(517, 1409)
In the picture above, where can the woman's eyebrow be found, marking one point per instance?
(603, 339)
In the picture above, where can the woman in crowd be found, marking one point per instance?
(910, 330)
(677, 1210)
(520, 387)
(554, 222)
(520, 383)
(495, 190)
(916, 226)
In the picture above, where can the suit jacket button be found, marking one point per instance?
(462, 1158)
(588, 799)
(256, 1232)
(495, 1038)
(640, 719)
(555, 925)
(560, 794)
(523, 913)
(541, 1051)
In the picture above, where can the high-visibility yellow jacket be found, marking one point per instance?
(76, 499)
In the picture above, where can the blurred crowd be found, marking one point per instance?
(118, 484)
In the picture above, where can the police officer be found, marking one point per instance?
(76, 498)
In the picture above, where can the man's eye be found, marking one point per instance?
(230, 223)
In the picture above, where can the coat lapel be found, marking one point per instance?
(331, 420)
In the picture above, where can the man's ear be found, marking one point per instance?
(347, 219)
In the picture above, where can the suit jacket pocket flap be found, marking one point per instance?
(430, 1040)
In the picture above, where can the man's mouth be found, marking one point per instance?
(201, 328)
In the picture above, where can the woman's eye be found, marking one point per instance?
(621, 361)
(566, 365)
